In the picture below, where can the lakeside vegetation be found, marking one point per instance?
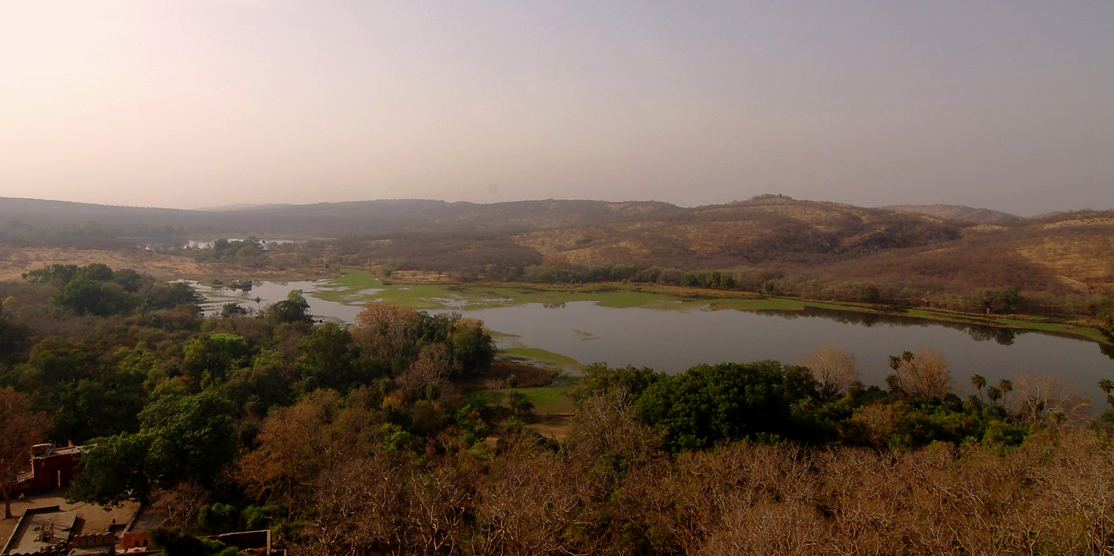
(409, 432)
(355, 285)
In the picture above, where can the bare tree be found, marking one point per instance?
(833, 368)
(359, 507)
(430, 369)
(20, 429)
(381, 329)
(182, 503)
(1040, 397)
(296, 443)
(924, 374)
(534, 501)
(438, 505)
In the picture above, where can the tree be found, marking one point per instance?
(13, 339)
(113, 470)
(708, 403)
(833, 368)
(98, 298)
(209, 358)
(1041, 396)
(192, 437)
(296, 443)
(1005, 386)
(20, 429)
(1106, 385)
(922, 375)
(182, 438)
(979, 382)
(628, 382)
(176, 542)
(431, 367)
(994, 393)
(231, 310)
(328, 359)
(473, 349)
(292, 309)
(382, 331)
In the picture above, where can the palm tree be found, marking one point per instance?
(1106, 385)
(893, 383)
(1006, 386)
(994, 393)
(979, 382)
(895, 362)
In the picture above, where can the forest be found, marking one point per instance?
(398, 435)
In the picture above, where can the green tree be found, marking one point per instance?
(1005, 386)
(209, 358)
(192, 437)
(473, 349)
(628, 382)
(176, 542)
(113, 470)
(328, 359)
(97, 272)
(709, 403)
(292, 309)
(979, 382)
(994, 393)
(231, 309)
(14, 338)
(182, 438)
(1107, 386)
(102, 299)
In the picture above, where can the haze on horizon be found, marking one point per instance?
(200, 103)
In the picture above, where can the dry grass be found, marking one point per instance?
(525, 376)
(15, 261)
(1082, 263)
(420, 277)
(551, 426)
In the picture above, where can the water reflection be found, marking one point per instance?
(675, 340)
(1107, 350)
(978, 332)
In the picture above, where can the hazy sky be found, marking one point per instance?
(192, 103)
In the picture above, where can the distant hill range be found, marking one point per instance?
(959, 213)
(933, 247)
(417, 215)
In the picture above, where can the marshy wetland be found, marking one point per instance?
(670, 331)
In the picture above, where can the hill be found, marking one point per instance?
(931, 249)
(959, 213)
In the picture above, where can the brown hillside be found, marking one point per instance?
(959, 213)
(764, 230)
(763, 238)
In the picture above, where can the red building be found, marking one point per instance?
(51, 468)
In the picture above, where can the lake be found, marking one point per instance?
(690, 334)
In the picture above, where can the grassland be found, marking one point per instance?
(547, 400)
(539, 357)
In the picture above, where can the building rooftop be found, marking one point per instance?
(41, 528)
(93, 518)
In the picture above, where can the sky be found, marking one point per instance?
(1006, 104)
